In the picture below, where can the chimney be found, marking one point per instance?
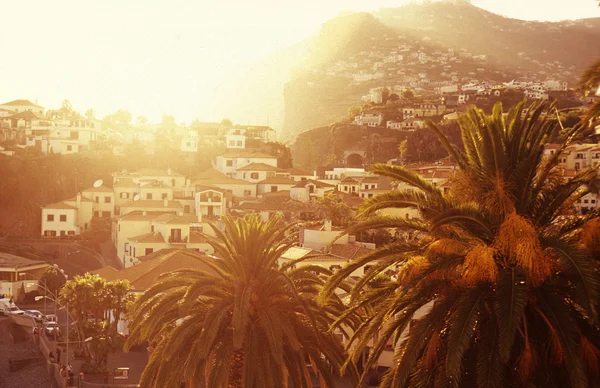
(327, 225)
(79, 200)
(166, 202)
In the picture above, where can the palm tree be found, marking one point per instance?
(504, 293)
(246, 321)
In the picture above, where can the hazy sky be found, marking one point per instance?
(154, 56)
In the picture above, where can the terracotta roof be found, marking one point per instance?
(59, 205)
(156, 184)
(11, 261)
(349, 199)
(318, 184)
(272, 203)
(552, 146)
(258, 167)
(349, 251)
(145, 274)
(247, 154)
(370, 179)
(280, 193)
(107, 272)
(214, 177)
(21, 103)
(153, 203)
(201, 188)
(155, 237)
(349, 179)
(138, 215)
(168, 218)
(277, 180)
(156, 172)
(101, 189)
(27, 115)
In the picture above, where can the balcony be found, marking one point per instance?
(177, 240)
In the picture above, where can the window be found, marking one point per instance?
(373, 186)
(345, 188)
(593, 201)
(63, 233)
(229, 163)
(586, 201)
(273, 189)
(71, 233)
(148, 195)
(124, 195)
(69, 148)
(50, 217)
(63, 218)
(188, 144)
(311, 189)
(254, 175)
(239, 143)
(247, 193)
(231, 143)
(148, 251)
(107, 199)
(164, 195)
(97, 199)
(186, 209)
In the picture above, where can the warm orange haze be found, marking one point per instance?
(344, 195)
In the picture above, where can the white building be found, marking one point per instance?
(18, 106)
(369, 119)
(236, 139)
(229, 162)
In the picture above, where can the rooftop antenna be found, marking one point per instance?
(98, 183)
(136, 198)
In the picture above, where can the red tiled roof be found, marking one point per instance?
(155, 237)
(277, 180)
(297, 171)
(21, 103)
(258, 167)
(59, 205)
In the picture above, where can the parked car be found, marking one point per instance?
(51, 329)
(35, 314)
(51, 318)
(7, 306)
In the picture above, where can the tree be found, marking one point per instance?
(354, 111)
(142, 121)
(226, 123)
(394, 97)
(92, 300)
(408, 94)
(90, 114)
(402, 148)
(245, 321)
(335, 209)
(494, 284)
(52, 280)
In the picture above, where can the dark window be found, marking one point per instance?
(148, 195)
(97, 199)
(50, 217)
(254, 175)
(247, 193)
(63, 218)
(164, 195)
(124, 195)
(107, 199)
(148, 251)
(69, 148)
(229, 163)
(311, 189)
(273, 189)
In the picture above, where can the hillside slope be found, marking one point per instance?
(354, 53)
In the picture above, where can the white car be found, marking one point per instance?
(14, 310)
(35, 314)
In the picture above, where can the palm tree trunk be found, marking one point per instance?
(236, 373)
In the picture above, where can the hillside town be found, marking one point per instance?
(421, 209)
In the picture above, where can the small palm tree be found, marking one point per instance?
(245, 321)
(493, 289)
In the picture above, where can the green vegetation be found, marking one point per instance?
(502, 279)
(245, 321)
(92, 301)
